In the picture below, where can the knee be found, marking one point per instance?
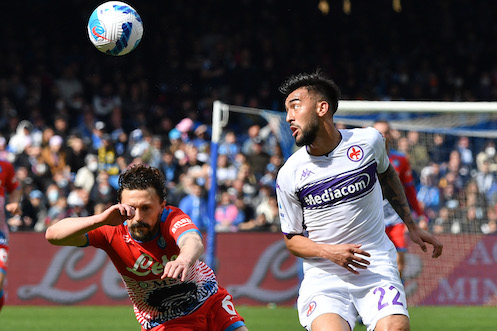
(393, 323)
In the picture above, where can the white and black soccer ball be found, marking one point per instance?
(115, 28)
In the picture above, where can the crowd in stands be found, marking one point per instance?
(72, 119)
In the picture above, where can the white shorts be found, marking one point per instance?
(373, 294)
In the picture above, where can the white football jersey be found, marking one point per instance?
(337, 198)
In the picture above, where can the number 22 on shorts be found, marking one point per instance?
(383, 301)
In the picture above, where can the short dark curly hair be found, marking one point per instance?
(316, 82)
(142, 177)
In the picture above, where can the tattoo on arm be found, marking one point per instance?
(393, 191)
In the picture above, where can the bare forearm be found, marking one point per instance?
(70, 231)
(15, 196)
(191, 247)
(393, 191)
(303, 247)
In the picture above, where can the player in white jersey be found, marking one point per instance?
(330, 200)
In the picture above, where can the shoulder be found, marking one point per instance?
(293, 163)
(364, 137)
(361, 134)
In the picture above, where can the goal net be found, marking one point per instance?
(452, 152)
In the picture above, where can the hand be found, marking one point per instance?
(177, 269)
(14, 208)
(118, 214)
(345, 255)
(420, 237)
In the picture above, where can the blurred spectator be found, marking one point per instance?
(85, 176)
(193, 166)
(429, 195)
(57, 212)
(418, 153)
(22, 137)
(487, 154)
(61, 126)
(471, 223)
(97, 135)
(438, 151)
(465, 152)
(266, 217)
(246, 183)
(486, 181)
(102, 194)
(442, 223)
(107, 157)
(226, 214)
(201, 140)
(37, 169)
(229, 146)
(491, 226)
(258, 158)
(253, 137)
(77, 202)
(75, 153)
(54, 155)
(226, 173)
(170, 168)
(195, 205)
(33, 211)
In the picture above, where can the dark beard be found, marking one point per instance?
(309, 134)
(141, 231)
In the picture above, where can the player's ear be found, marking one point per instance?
(323, 108)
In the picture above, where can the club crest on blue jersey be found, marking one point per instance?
(355, 153)
(339, 189)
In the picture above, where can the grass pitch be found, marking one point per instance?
(97, 318)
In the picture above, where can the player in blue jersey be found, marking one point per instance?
(330, 194)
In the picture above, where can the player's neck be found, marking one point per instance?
(324, 144)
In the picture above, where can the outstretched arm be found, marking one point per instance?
(191, 248)
(393, 191)
(345, 255)
(71, 231)
(14, 205)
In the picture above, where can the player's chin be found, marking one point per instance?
(140, 233)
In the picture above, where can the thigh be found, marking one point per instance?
(379, 294)
(324, 297)
(221, 312)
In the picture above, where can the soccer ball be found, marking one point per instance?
(115, 28)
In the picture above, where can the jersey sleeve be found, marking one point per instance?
(100, 237)
(178, 223)
(289, 207)
(11, 182)
(381, 155)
